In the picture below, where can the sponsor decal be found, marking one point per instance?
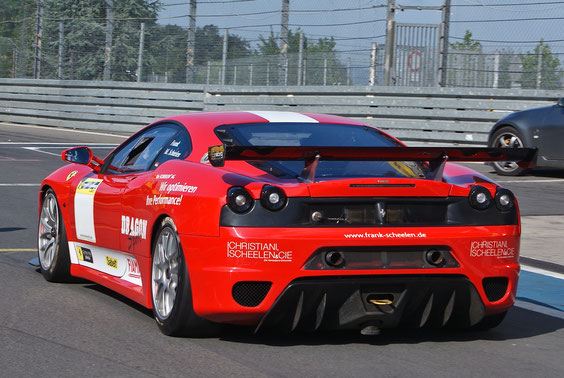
(84, 254)
(71, 175)
(111, 262)
(166, 176)
(177, 187)
(133, 227)
(492, 248)
(267, 252)
(386, 235)
(133, 268)
(88, 186)
(163, 200)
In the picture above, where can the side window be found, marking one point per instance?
(138, 154)
(178, 148)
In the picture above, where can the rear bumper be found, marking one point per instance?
(345, 303)
(273, 261)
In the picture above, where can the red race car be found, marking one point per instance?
(285, 221)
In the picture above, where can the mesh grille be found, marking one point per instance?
(250, 293)
(495, 287)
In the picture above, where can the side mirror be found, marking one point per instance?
(561, 102)
(82, 155)
(78, 155)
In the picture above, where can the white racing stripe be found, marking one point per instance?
(540, 309)
(277, 116)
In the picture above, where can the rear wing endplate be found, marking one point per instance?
(436, 157)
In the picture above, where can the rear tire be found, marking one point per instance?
(170, 287)
(52, 245)
(507, 137)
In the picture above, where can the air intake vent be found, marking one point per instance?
(250, 293)
(495, 287)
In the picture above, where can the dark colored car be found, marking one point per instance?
(541, 128)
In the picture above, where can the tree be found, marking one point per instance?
(549, 75)
(467, 44)
(315, 53)
(16, 35)
(85, 27)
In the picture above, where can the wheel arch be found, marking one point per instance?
(524, 130)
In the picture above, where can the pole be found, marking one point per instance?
(268, 73)
(349, 70)
(38, 36)
(444, 41)
(61, 48)
(539, 69)
(496, 70)
(140, 55)
(251, 74)
(191, 44)
(208, 72)
(300, 58)
(109, 37)
(324, 72)
(224, 57)
(283, 64)
(390, 38)
(372, 72)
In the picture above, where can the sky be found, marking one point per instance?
(356, 23)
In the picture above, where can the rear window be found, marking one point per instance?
(319, 134)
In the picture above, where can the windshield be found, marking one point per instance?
(319, 134)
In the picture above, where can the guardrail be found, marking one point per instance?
(446, 115)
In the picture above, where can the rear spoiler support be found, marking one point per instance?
(435, 157)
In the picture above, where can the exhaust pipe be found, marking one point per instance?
(334, 259)
(435, 257)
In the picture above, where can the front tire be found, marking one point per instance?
(52, 245)
(507, 137)
(170, 287)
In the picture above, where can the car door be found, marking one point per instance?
(167, 141)
(552, 134)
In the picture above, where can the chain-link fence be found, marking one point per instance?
(142, 49)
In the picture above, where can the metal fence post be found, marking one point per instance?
(140, 55)
(372, 72)
(224, 57)
(61, 48)
(38, 37)
(300, 58)
(109, 37)
(251, 74)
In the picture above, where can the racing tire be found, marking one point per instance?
(170, 287)
(507, 137)
(490, 322)
(52, 245)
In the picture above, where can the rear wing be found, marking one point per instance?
(435, 157)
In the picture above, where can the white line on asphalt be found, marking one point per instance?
(7, 184)
(66, 130)
(542, 271)
(37, 149)
(529, 181)
(541, 309)
(54, 144)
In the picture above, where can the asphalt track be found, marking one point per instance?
(82, 329)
